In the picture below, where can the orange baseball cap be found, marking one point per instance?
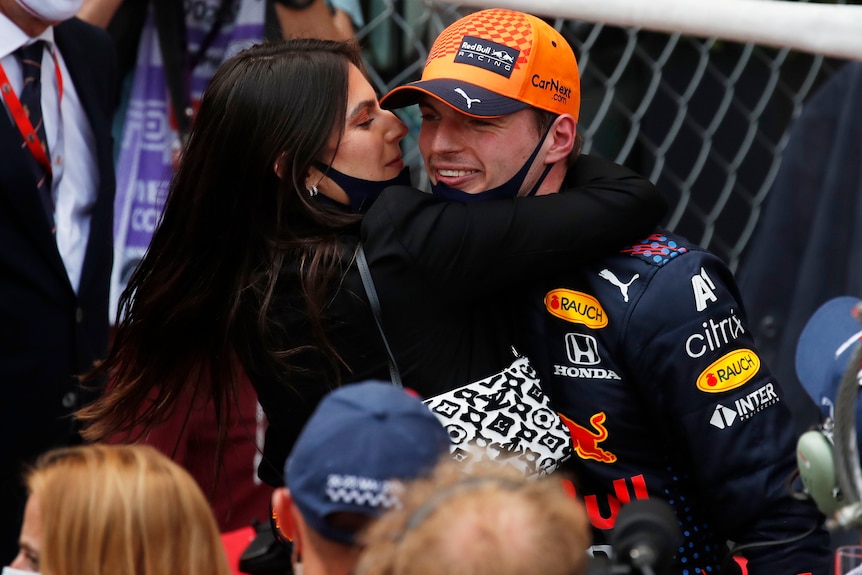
(496, 62)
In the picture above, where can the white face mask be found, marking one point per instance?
(51, 10)
(11, 571)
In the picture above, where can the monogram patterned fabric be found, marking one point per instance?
(506, 418)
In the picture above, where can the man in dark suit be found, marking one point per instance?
(56, 218)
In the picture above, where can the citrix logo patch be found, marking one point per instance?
(576, 307)
(488, 55)
(715, 335)
(731, 371)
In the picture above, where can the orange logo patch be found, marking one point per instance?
(729, 372)
(576, 307)
(586, 441)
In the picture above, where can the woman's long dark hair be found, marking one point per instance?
(229, 226)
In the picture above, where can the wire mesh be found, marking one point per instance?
(705, 120)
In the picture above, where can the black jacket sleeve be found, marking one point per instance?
(469, 248)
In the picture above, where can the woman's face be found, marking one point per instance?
(369, 147)
(30, 540)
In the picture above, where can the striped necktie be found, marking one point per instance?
(30, 57)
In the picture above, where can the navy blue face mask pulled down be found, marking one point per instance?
(362, 193)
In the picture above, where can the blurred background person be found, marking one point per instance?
(348, 467)
(109, 510)
(56, 214)
(826, 344)
(794, 263)
(489, 520)
(168, 52)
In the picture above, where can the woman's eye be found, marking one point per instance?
(33, 560)
(365, 124)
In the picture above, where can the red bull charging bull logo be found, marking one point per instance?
(586, 441)
(576, 307)
(729, 372)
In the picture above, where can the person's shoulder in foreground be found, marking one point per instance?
(485, 519)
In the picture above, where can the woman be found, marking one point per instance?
(252, 267)
(126, 509)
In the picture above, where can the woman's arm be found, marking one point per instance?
(484, 245)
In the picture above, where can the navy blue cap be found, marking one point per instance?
(824, 349)
(361, 439)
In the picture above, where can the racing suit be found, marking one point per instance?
(648, 356)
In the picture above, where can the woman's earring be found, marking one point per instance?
(312, 191)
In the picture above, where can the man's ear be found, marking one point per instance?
(284, 509)
(561, 138)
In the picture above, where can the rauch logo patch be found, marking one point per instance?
(576, 307)
(729, 372)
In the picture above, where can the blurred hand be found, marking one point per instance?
(98, 12)
(315, 21)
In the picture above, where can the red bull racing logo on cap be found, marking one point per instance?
(731, 371)
(488, 55)
(576, 307)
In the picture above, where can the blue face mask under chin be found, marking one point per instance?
(362, 193)
(506, 190)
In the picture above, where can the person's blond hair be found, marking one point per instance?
(122, 510)
(491, 520)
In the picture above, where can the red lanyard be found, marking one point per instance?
(20, 116)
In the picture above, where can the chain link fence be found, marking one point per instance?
(705, 120)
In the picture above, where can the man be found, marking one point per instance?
(56, 202)
(490, 519)
(646, 353)
(824, 352)
(346, 469)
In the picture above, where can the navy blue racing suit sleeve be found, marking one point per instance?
(698, 369)
(466, 249)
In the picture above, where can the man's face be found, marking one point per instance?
(475, 155)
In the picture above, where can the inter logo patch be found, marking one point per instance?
(487, 55)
